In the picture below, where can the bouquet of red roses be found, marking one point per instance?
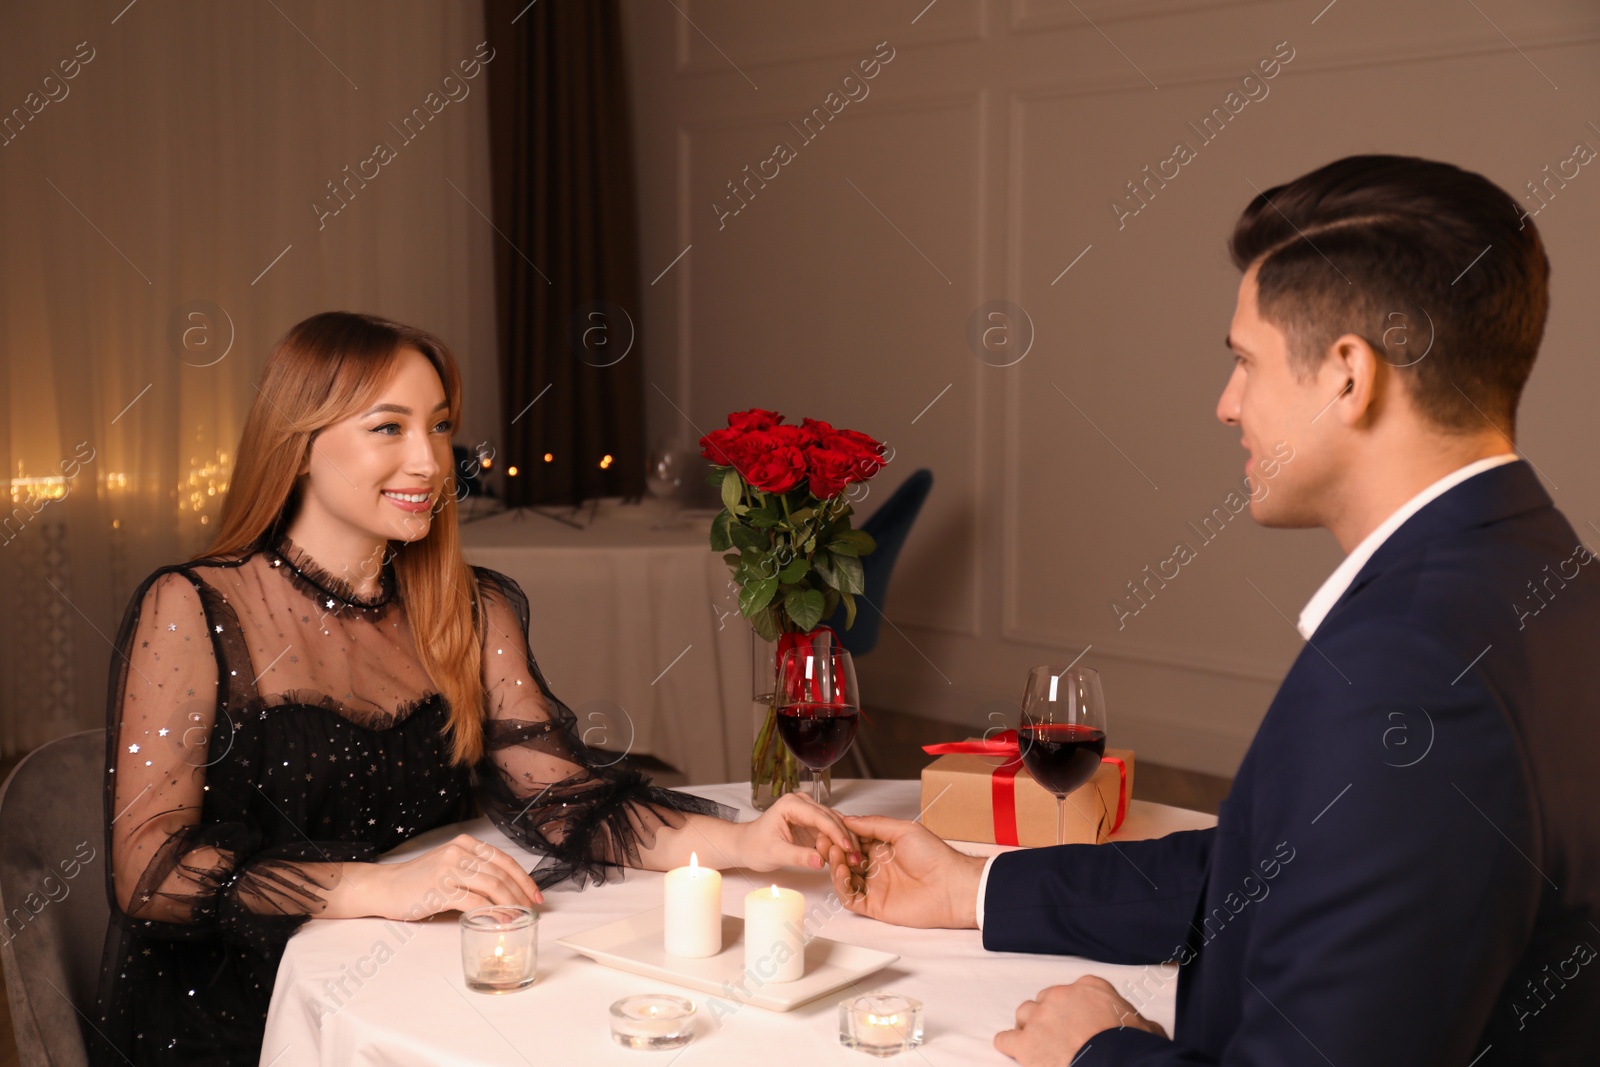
(785, 519)
(785, 529)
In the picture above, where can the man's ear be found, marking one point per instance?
(1361, 373)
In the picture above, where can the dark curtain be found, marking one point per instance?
(566, 271)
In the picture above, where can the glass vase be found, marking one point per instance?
(774, 770)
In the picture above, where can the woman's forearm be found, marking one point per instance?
(349, 889)
(715, 843)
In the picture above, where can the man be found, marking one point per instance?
(1407, 869)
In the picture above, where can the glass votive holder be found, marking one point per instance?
(880, 1024)
(652, 1021)
(500, 948)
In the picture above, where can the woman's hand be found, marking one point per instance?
(461, 874)
(795, 832)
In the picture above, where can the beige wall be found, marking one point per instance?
(981, 163)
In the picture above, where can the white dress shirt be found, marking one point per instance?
(1323, 600)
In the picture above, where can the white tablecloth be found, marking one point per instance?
(370, 991)
(635, 629)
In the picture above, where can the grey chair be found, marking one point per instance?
(53, 908)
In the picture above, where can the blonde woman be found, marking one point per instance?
(331, 679)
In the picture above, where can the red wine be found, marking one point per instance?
(817, 734)
(1061, 756)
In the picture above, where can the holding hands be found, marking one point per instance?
(910, 877)
(795, 832)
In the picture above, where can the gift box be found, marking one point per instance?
(979, 790)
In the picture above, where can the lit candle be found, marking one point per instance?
(652, 1021)
(693, 918)
(880, 1031)
(499, 948)
(774, 940)
(880, 1024)
(500, 965)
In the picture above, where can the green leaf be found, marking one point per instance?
(802, 515)
(730, 490)
(860, 542)
(795, 571)
(732, 559)
(757, 595)
(746, 538)
(763, 517)
(849, 611)
(714, 476)
(851, 579)
(765, 623)
(830, 602)
(720, 540)
(804, 607)
(823, 561)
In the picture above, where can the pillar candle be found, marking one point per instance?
(693, 919)
(774, 937)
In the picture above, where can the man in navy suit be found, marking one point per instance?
(1407, 868)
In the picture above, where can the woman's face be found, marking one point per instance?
(382, 472)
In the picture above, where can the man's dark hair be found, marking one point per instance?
(1415, 257)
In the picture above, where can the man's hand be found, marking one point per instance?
(908, 876)
(1053, 1028)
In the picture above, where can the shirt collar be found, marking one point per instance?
(1323, 600)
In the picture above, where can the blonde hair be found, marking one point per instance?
(322, 371)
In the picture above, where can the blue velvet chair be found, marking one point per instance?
(889, 525)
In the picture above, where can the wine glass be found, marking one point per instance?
(663, 475)
(1063, 732)
(818, 706)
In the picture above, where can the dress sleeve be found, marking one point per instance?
(174, 873)
(538, 781)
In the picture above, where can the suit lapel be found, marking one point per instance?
(1492, 496)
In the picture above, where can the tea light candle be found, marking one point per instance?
(880, 1024)
(774, 941)
(652, 1021)
(499, 948)
(693, 918)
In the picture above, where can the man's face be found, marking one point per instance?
(1284, 420)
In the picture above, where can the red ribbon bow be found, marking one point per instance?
(1002, 782)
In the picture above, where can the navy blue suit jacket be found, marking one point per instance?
(1407, 868)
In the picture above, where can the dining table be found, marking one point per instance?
(377, 991)
(635, 624)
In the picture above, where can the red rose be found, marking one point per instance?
(775, 470)
(865, 453)
(819, 430)
(791, 436)
(723, 447)
(830, 471)
(754, 419)
(861, 442)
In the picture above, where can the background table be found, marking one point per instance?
(370, 991)
(635, 629)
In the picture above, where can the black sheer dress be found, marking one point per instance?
(267, 722)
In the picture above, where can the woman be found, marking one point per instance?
(331, 679)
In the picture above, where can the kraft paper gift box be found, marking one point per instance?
(982, 792)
